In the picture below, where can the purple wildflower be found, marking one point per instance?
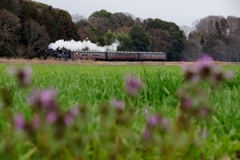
(204, 64)
(153, 120)
(186, 103)
(19, 121)
(74, 111)
(146, 134)
(33, 98)
(217, 75)
(51, 117)
(44, 98)
(119, 104)
(205, 60)
(190, 72)
(47, 98)
(36, 122)
(132, 85)
(68, 119)
(165, 123)
(23, 75)
(203, 112)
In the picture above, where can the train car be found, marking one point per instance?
(130, 56)
(94, 55)
(152, 56)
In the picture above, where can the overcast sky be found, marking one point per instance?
(181, 12)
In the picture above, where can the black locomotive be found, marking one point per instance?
(109, 55)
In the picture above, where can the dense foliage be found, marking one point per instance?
(27, 27)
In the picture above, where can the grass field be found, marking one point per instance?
(101, 131)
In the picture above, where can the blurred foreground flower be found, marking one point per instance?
(70, 115)
(23, 75)
(19, 121)
(153, 122)
(204, 69)
(119, 104)
(45, 98)
(132, 85)
(36, 122)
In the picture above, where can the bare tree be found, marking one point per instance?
(207, 25)
(186, 30)
(160, 40)
(234, 23)
(86, 33)
(76, 18)
(36, 36)
(193, 47)
(8, 25)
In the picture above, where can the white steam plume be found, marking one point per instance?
(82, 45)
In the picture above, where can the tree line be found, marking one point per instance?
(214, 35)
(27, 28)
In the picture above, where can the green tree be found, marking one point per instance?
(176, 38)
(141, 40)
(10, 5)
(28, 10)
(52, 27)
(66, 28)
(177, 42)
(125, 40)
(101, 14)
(110, 37)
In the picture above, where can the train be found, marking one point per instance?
(106, 56)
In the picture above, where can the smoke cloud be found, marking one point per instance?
(82, 45)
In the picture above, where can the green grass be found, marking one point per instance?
(94, 86)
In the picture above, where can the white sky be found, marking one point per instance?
(181, 12)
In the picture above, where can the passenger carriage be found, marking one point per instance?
(88, 55)
(122, 55)
(152, 56)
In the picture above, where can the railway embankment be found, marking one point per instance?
(91, 62)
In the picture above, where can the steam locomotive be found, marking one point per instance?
(108, 55)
